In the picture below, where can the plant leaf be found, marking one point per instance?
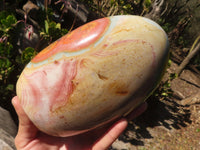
(46, 26)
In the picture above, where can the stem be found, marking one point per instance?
(187, 59)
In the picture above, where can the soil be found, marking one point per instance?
(170, 123)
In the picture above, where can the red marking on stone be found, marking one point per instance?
(45, 84)
(105, 45)
(76, 40)
(154, 59)
(34, 89)
(61, 117)
(56, 62)
(124, 41)
(64, 86)
(104, 53)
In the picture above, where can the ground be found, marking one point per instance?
(171, 123)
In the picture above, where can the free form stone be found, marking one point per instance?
(94, 74)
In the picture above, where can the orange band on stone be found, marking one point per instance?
(76, 40)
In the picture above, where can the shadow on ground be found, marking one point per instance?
(166, 113)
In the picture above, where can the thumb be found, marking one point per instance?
(27, 130)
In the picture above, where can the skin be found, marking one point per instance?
(30, 138)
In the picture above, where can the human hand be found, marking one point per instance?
(30, 138)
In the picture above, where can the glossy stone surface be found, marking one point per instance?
(96, 73)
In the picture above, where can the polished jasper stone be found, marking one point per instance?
(94, 74)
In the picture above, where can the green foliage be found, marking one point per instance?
(166, 27)
(5, 46)
(27, 55)
(5, 50)
(119, 7)
(126, 8)
(6, 66)
(7, 22)
(198, 130)
(13, 58)
(52, 30)
(182, 41)
(147, 3)
(164, 89)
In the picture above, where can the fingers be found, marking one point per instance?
(111, 135)
(23, 118)
(26, 131)
(115, 131)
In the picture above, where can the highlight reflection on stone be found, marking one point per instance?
(96, 73)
